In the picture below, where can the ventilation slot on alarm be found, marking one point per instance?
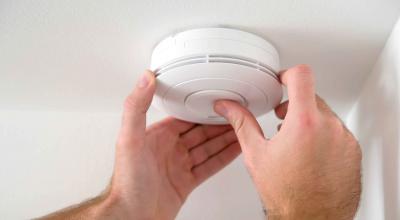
(215, 59)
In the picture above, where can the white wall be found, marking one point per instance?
(50, 160)
(375, 120)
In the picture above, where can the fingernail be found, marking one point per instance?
(221, 109)
(144, 81)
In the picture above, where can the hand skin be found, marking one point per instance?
(156, 168)
(311, 168)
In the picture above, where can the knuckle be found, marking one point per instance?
(307, 126)
(307, 121)
(303, 73)
(132, 104)
(127, 142)
(238, 123)
(302, 68)
(122, 141)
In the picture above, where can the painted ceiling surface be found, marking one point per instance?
(86, 55)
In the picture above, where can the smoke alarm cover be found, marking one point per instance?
(195, 68)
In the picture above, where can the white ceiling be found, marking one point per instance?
(85, 55)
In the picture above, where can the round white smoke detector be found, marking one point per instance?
(195, 68)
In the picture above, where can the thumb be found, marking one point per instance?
(246, 127)
(135, 108)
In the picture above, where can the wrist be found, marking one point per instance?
(110, 206)
(297, 215)
(115, 205)
(306, 212)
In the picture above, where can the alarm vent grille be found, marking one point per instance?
(216, 58)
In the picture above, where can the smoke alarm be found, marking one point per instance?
(196, 67)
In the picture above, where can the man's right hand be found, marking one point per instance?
(311, 168)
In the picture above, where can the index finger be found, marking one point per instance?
(299, 81)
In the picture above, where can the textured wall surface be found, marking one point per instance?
(375, 120)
